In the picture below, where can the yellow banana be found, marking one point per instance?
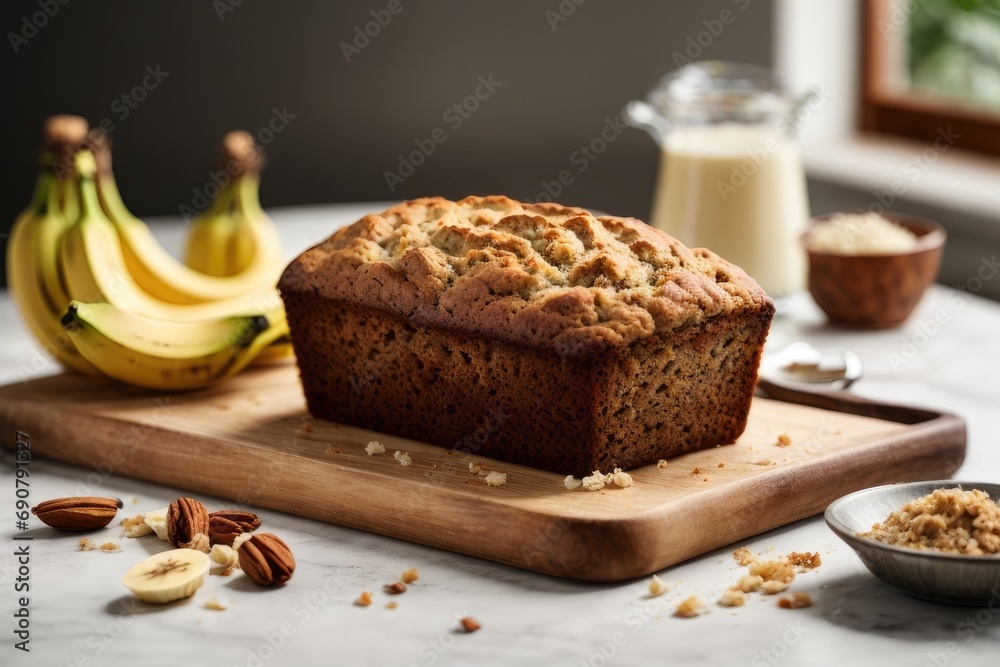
(235, 235)
(94, 267)
(156, 271)
(169, 356)
(33, 273)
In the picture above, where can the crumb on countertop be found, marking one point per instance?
(690, 607)
(733, 597)
(403, 458)
(469, 624)
(136, 526)
(364, 600)
(796, 601)
(216, 604)
(658, 587)
(743, 556)
(806, 559)
(784, 440)
(410, 575)
(374, 447)
(395, 588)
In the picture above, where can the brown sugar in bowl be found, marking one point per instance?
(875, 291)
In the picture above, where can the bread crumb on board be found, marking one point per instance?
(784, 440)
(403, 458)
(661, 464)
(495, 478)
(597, 480)
(391, 605)
(395, 588)
(594, 482)
(796, 601)
(690, 607)
(374, 447)
(743, 556)
(621, 479)
(364, 600)
(409, 575)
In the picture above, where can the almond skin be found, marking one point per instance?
(78, 513)
(266, 559)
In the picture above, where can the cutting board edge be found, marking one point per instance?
(602, 540)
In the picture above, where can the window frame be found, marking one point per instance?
(900, 114)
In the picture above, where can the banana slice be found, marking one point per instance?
(168, 576)
(157, 520)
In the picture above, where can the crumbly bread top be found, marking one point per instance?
(540, 275)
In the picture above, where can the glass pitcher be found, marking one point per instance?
(731, 178)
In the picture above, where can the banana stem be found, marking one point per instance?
(247, 199)
(45, 198)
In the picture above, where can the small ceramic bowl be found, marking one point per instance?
(935, 576)
(875, 291)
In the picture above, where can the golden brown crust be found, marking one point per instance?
(542, 276)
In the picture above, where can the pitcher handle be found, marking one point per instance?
(642, 115)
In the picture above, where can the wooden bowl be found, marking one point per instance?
(876, 291)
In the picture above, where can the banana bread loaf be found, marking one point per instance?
(531, 333)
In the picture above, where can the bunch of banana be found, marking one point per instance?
(33, 276)
(134, 313)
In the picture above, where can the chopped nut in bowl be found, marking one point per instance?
(933, 540)
(869, 271)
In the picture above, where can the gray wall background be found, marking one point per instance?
(352, 120)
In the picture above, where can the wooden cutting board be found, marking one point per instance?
(252, 441)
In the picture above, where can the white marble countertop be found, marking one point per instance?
(81, 615)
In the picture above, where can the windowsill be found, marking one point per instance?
(909, 170)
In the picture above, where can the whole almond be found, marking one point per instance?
(187, 524)
(266, 559)
(224, 526)
(79, 513)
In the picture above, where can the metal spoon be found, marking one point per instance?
(802, 367)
